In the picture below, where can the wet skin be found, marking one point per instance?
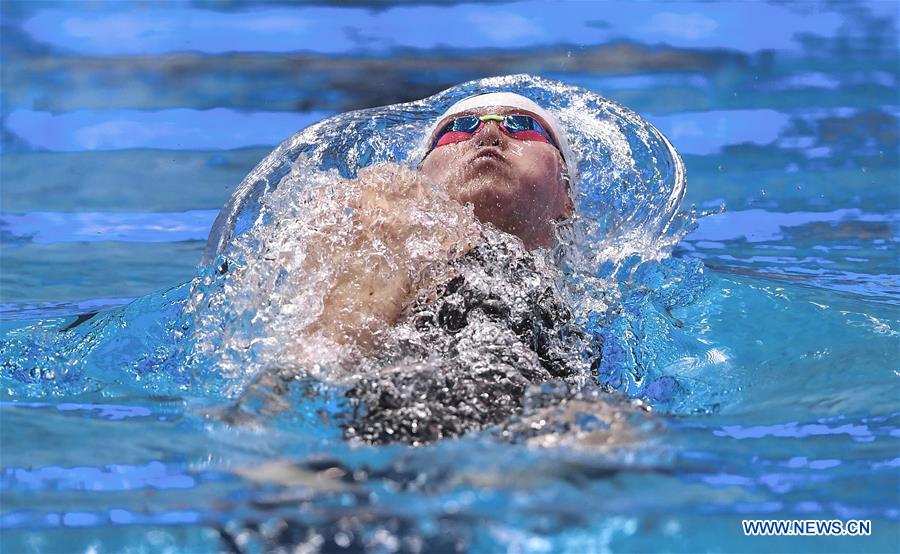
(517, 185)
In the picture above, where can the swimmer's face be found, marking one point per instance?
(517, 185)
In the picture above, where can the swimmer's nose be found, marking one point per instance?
(490, 134)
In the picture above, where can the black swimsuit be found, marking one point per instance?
(467, 351)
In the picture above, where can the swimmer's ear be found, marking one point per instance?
(570, 205)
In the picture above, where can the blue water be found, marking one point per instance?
(767, 342)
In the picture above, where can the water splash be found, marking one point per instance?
(628, 190)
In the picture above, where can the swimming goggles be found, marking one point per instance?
(517, 126)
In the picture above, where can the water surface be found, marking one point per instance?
(769, 336)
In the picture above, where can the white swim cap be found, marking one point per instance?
(509, 100)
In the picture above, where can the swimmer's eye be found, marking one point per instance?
(525, 127)
(518, 126)
(458, 130)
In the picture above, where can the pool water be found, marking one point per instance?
(767, 343)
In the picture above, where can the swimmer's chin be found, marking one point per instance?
(485, 192)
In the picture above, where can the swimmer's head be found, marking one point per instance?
(509, 158)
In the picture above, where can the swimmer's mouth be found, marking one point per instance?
(489, 153)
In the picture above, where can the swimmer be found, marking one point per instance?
(499, 153)
(425, 291)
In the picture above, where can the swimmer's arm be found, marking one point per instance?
(401, 233)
